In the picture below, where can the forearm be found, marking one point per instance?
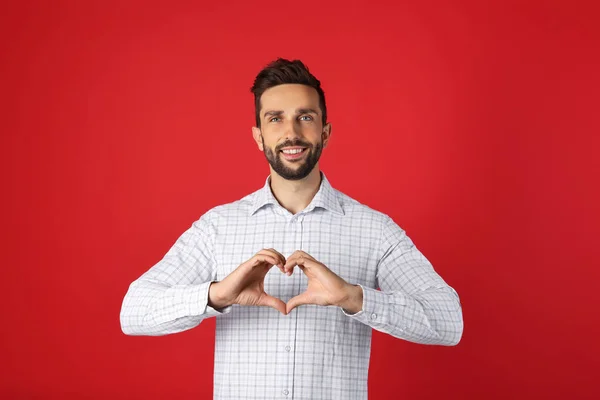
(152, 308)
(353, 301)
(432, 316)
(216, 298)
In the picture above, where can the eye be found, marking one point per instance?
(307, 116)
(271, 120)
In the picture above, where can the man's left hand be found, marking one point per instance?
(325, 288)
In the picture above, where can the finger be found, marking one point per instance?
(279, 254)
(259, 259)
(298, 253)
(306, 254)
(291, 262)
(273, 253)
(274, 302)
(302, 267)
(299, 260)
(296, 301)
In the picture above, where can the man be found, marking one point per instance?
(316, 345)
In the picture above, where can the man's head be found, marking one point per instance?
(290, 113)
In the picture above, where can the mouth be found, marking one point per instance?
(293, 156)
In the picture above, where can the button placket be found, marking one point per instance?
(297, 220)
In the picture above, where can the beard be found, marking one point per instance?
(302, 167)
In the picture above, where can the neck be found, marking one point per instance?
(295, 196)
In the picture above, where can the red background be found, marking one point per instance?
(473, 124)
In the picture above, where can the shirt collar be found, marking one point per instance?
(326, 197)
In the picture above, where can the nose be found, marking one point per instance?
(292, 130)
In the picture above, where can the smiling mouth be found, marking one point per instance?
(293, 156)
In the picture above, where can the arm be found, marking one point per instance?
(173, 295)
(414, 302)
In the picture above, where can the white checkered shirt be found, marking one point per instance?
(315, 352)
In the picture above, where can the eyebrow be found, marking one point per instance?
(298, 111)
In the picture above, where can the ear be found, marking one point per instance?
(326, 134)
(256, 134)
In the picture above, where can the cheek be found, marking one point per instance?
(313, 130)
(270, 136)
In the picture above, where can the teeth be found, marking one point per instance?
(295, 151)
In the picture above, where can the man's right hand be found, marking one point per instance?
(245, 285)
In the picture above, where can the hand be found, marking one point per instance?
(245, 285)
(324, 286)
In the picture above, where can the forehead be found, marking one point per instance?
(289, 97)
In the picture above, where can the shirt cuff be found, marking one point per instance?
(376, 306)
(197, 300)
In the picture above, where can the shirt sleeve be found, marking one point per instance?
(172, 296)
(414, 302)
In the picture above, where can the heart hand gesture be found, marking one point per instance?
(246, 284)
(324, 286)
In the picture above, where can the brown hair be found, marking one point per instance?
(282, 71)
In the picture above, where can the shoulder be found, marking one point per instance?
(360, 211)
(240, 208)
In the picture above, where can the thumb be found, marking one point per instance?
(296, 301)
(270, 301)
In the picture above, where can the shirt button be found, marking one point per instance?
(373, 316)
(285, 392)
(287, 348)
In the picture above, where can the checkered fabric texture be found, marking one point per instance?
(315, 352)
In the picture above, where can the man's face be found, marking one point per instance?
(291, 119)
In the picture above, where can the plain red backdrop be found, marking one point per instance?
(473, 124)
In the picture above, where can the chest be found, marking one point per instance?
(346, 246)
